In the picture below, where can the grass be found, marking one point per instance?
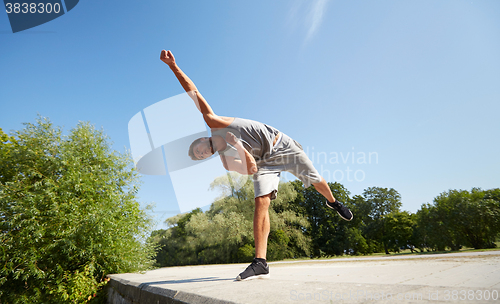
(401, 253)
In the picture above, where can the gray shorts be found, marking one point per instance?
(286, 155)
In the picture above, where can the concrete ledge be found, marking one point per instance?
(395, 279)
(122, 291)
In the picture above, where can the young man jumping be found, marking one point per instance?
(253, 148)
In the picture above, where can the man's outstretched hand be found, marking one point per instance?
(167, 57)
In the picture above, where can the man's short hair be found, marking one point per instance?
(191, 148)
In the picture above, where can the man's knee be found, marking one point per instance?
(321, 181)
(263, 200)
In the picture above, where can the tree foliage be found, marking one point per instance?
(460, 218)
(224, 233)
(68, 214)
(327, 231)
(380, 202)
(302, 225)
(399, 230)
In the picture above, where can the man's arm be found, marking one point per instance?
(232, 164)
(246, 164)
(212, 120)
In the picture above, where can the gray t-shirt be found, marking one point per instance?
(257, 138)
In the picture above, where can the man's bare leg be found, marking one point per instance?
(323, 188)
(261, 228)
(261, 225)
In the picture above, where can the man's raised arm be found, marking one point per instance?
(208, 114)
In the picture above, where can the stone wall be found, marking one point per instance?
(125, 292)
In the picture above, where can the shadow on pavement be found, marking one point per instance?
(196, 280)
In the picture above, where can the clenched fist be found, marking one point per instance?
(167, 57)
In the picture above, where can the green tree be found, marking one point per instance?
(327, 230)
(68, 214)
(399, 230)
(361, 210)
(177, 246)
(224, 233)
(287, 238)
(432, 229)
(6, 164)
(472, 218)
(460, 217)
(356, 242)
(421, 229)
(381, 202)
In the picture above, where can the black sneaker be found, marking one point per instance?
(342, 210)
(256, 270)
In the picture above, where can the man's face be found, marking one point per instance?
(202, 150)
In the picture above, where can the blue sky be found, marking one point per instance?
(414, 83)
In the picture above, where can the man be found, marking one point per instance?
(253, 148)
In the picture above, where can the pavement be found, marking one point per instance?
(467, 277)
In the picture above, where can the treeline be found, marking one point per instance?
(301, 225)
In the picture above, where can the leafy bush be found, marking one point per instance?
(68, 215)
